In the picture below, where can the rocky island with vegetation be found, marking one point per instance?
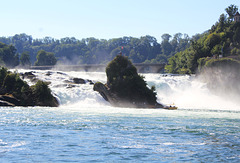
(125, 87)
(16, 92)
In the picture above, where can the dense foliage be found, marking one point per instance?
(8, 55)
(45, 58)
(38, 94)
(219, 63)
(25, 59)
(42, 94)
(100, 51)
(124, 81)
(223, 40)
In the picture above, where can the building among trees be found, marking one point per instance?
(237, 17)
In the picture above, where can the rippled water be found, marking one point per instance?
(86, 129)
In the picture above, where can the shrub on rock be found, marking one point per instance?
(42, 94)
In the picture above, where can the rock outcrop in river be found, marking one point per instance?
(16, 92)
(125, 87)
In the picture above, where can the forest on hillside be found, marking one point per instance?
(70, 50)
(222, 41)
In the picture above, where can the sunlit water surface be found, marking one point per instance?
(85, 128)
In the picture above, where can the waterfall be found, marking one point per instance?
(183, 91)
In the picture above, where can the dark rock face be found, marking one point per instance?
(9, 100)
(5, 103)
(28, 75)
(74, 81)
(114, 100)
(125, 88)
(105, 93)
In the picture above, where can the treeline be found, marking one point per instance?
(10, 58)
(96, 51)
(222, 40)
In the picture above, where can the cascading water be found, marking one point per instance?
(86, 128)
(184, 91)
(187, 92)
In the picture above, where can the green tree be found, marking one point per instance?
(222, 23)
(45, 58)
(231, 11)
(16, 60)
(8, 55)
(166, 46)
(25, 59)
(236, 36)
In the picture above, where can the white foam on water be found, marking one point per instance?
(183, 91)
(188, 93)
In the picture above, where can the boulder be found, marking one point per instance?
(48, 73)
(28, 75)
(90, 82)
(79, 81)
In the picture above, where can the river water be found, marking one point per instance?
(85, 128)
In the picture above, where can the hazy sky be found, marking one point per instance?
(105, 19)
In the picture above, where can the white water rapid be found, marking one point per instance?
(184, 91)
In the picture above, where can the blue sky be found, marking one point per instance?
(105, 19)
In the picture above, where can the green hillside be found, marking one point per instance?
(222, 41)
